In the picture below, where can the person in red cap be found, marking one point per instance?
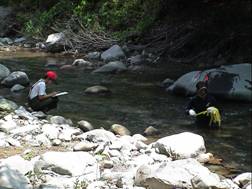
(38, 99)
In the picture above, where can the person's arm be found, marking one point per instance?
(43, 97)
(42, 92)
(189, 108)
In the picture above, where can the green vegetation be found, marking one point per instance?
(118, 17)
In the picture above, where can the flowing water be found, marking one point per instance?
(137, 101)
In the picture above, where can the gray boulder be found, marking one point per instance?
(112, 54)
(4, 72)
(17, 88)
(111, 67)
(93, 56)
(17, 77)
(230, 82)
(7, 105)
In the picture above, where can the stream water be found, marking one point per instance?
(137, 101)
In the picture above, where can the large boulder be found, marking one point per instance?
(14, 78)
(113, 53)
(180, 146)
(70, 163)
(230, 82)
(187, 173)
(111, 67)
(4, 72)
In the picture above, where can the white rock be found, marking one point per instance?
(71, 163)
(13, 142)
(243, 179)
(13, 179)
(181, 173)
(85, 146)
(8, 124)
(139, 137)
(179, 146)
(50, 131)
(43, 140)
(18, 163)
(98, 135)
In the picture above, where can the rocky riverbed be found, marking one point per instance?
(45, 151)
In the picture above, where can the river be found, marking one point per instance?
(137, 101)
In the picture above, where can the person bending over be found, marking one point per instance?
(204, 108)
(38, 100)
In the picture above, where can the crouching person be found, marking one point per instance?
(38, 100)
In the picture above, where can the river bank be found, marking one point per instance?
(48, 153)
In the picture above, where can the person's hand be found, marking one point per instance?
(53, 94)
(192, 113)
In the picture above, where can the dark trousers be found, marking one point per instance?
(43, 105)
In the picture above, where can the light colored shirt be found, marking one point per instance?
(38, 89)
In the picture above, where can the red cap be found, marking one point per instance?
(51, 75)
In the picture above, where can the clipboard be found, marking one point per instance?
(60, 94)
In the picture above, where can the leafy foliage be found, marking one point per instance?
(121, 17)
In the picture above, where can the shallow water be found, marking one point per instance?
(137, 102)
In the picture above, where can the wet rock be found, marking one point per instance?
(17, 88)
(93, 56)
(111, 67)
(135, 60)
(112, 54)
(97, 90)
(17, 77)
(4, 72)
(82, 63)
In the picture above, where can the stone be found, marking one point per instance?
(4, 72)
(85, 126)
(113, 53)
(120, 130)
(111, 67)
(16, 77)
(13, 179)
(180, 146)
(97, 90)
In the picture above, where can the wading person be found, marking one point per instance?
(38, 100)
(204, 107)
